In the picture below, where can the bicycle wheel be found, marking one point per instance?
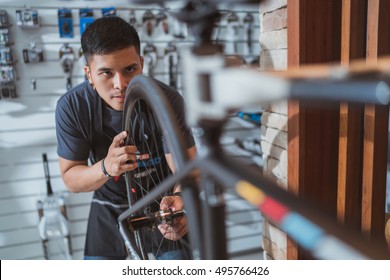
(149, 121)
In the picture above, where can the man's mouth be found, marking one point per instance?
(121, 97)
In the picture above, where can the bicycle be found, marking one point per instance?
(210, 93)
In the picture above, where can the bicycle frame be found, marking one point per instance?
(207, 235)
(211, 92)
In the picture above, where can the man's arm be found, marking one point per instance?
(79, 177)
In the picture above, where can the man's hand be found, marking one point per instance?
(120, 158)
(178, 228)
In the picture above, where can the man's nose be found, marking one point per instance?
(120, 82)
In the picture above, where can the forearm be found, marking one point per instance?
(84, 178)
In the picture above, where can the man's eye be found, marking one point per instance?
(105, 73)
(130, 70)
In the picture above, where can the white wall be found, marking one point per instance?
(27, 127)
(27, 130)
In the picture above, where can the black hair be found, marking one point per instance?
(108, 34)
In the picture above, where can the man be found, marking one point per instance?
(89, 126)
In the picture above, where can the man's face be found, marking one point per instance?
(110, 74)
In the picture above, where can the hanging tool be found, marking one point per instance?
(171, 64)
(162, 19)
(233, 31)
(133, 19)
(248, 26)
(148, 20)
(150, 59)
(53, 224)
(252, 117)
(67, 58)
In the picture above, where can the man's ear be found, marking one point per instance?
(87, 72)
(142, 61)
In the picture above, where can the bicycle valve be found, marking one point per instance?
(150, 57)
(171, 62)
(248, 25)
(234, 25)
(67, 60)
(147, 20)
(161, 18)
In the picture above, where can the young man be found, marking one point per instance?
(89, 126)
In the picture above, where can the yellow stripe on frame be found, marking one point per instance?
(250, 193)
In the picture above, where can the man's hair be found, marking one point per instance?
(108, 34)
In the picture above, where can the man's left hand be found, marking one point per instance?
(178, 227)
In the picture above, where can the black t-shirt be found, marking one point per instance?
(85, 128)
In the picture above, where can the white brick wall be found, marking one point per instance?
(273, 41)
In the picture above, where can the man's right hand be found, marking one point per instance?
(79, 177)
(120, 158)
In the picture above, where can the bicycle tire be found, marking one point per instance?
(148, 117)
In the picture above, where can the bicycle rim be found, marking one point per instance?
(145, 131)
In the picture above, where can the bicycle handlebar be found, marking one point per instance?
(375, 92)
(212, 90)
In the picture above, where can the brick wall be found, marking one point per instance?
(273, 56)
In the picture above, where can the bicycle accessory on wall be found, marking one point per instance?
(232, 32)
(65, 23)
(109, 12)
(4, 23)
(7, 82)
(7, 70)
(67, 58)
(7, 90)
(248, 26)
(150, 59)
(148, 20)
(86, 18)
(32, 54)
(33, 84)
(179, 29)
(162, 20)
(133, 19)
(53, 224)
(6, 56)
(171, 64)
(27, 18)
(4, 37)
(254, 118)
